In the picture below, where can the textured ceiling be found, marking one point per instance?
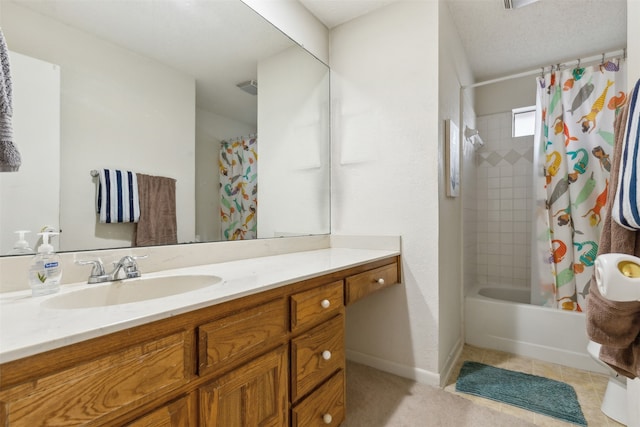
(499, 42)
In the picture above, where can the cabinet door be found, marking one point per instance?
(252, 395)
(175, 414)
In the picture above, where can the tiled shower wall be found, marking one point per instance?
(503, 196)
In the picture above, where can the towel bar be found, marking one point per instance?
(94, 172)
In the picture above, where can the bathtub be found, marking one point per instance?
(501, 318)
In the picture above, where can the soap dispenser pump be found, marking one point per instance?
(21, 247)
(45, 271)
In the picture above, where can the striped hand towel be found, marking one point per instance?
(118, 196)
(625, 209)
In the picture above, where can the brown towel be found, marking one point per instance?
(616, 325)
(158, 224)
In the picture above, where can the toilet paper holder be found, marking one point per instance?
(618, 276)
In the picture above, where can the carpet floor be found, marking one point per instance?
(379, 399)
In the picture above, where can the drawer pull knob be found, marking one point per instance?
(325, 303)
(380, 281)
(326, 355)
(327, 418)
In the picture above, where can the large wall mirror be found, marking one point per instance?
(153, 87)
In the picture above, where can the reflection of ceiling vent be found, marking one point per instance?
(251, 87)
(514, 4)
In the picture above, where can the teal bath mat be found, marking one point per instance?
(533, 393)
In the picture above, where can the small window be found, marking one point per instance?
(524, 121)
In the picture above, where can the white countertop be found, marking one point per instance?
(28, 328)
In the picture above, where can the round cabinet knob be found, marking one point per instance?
(325, 303)
(380, 281)
(327, 418)
(326, 355)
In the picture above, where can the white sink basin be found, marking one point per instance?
(131, 290)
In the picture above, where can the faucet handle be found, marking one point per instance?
(98, 274)
(129, 265)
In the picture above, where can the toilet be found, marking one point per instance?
(614, 401)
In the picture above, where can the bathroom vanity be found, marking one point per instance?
(263, 347)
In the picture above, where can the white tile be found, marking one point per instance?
(506, 215)
(506, 227)
(493, 238)
(519, 204)
(520, 215)
(493, 172)
(506, 250)
(493, 226)
(506, 238)
(506, 204)
(493, 273)
(493, 249)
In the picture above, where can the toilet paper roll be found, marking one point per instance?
(618, 277)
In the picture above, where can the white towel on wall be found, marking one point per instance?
(118, 199)
(626, 205)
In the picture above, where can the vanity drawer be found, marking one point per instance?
(363, 284)
(99, 390)
(315, 355)
(324, 407)
(312, 306)
(240, 335)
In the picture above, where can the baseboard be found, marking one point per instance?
(420, 375)
(451, 361)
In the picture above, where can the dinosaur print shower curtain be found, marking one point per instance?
(238, 164)
(574, 141)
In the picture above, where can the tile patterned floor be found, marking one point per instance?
(589, 386)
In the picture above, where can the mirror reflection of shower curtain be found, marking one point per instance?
(575, 114)
(238, 165)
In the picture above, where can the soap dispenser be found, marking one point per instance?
(21, 247)
(45, 271)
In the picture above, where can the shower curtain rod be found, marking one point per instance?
(590, 59)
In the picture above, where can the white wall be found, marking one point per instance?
(31, 200)
(454, 72)
(297, 22)
(503, 96)
(385, 161)
(211, 128)
(107, 108)
(633, 42)
(293, 145)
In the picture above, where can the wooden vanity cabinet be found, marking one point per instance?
(180, 412)
(252, 395)
(275, 358)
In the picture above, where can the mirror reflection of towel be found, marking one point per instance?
(157, 224)
(117, 196)
(10, 158)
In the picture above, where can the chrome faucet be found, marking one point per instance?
(126, 268)
(128, 265)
